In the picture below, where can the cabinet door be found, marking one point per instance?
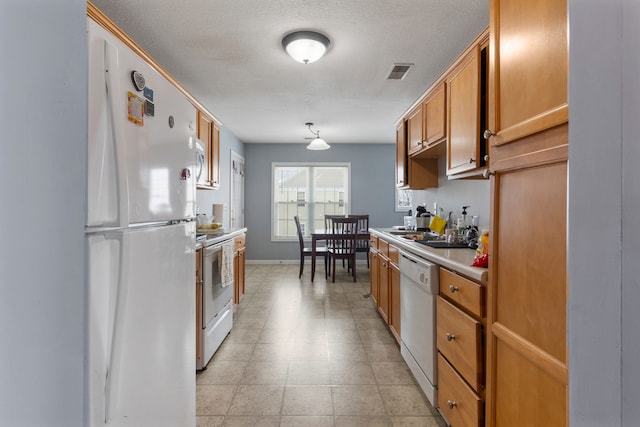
(463, 90)
(435, 116)
(383, 287)
(394, 314)
(528, 67)
(414, 130)
(198, 297)
(527, 366)
(214, 160)
(401, 155)
(204, 135)
(373, 274)
(241, 272)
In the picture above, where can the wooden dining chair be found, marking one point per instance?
(321, 251)
(327, 221)
(342, 243)
(363, 227)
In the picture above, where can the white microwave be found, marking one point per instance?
(201, 162)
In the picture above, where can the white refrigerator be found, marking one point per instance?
(140, 243)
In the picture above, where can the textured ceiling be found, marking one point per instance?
(228, 54)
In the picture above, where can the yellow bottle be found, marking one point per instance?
(483, 244)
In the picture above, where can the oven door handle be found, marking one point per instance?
(209, 250)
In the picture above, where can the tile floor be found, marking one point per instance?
(309, 354)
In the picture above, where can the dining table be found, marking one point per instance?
(325, 235)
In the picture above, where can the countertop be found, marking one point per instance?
(458, 260)
(226, 235)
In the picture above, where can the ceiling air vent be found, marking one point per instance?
(398, 71)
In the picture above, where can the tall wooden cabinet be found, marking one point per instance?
(527, 370)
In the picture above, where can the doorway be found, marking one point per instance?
(237, 191)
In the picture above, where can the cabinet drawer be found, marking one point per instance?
(393, 254)
(464, 292)
(460, 405)
(240, 241)
(459, 339)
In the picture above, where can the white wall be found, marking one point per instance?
(604, 201)
(372, 189)
(206, 198)
(42, 174)
(630, 213)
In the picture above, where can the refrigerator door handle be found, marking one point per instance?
(112, 86)
(118, 321)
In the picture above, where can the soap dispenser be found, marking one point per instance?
(462, 220)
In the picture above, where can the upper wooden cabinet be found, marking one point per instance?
(401, 155)
(448, 119)
(414, 130)
(466, 114)
(434, 112)
(528, 68)
(412, 172)
(426, 125)
(209, 134)
(215, 155)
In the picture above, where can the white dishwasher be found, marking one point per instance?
(418, 291)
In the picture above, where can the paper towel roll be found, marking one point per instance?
(218, 212)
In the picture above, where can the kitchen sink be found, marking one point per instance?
(413, 235)
(400, 232)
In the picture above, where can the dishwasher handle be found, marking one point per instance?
(418, 260)
(420, 271)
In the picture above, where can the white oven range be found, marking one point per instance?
(215, 309)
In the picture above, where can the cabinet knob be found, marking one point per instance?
(488, 134)
(471, 160)
(486, 157)
(452, 288)
(487, 173)
(450, 337)
(451, 404)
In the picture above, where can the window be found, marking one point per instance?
(310, 191)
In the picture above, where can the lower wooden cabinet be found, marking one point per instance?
(460, 333)
(385, 283)
(394, 301)
(373, 268)
(239, 264)
(383, 286)
(458, 402)
(199, 278)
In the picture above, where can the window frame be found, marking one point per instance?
(309, 165)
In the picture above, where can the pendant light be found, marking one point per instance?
(306, 46)
(317, 143)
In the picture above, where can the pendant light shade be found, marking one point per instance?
(306, 46)
(317, 143)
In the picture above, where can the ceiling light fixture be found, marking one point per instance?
(306, 46)
(317, 143)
